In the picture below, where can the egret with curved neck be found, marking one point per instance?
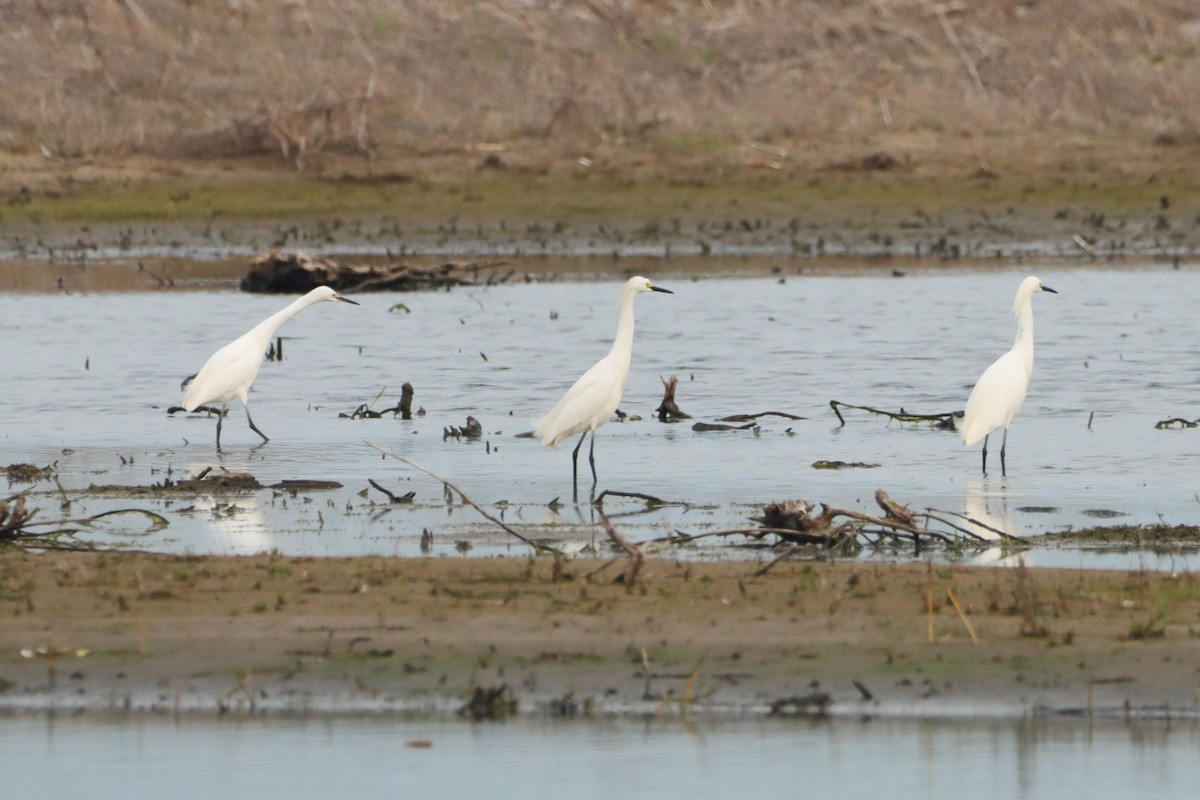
(591, 401)
(1000, 391)
(229, 372)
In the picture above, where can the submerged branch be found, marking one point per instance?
(944, 420)
(490, 517)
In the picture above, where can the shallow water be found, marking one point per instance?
(336, 757)
(87, 379)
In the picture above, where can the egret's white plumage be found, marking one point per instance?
(591, 401)
(1000, 391)
(229, 372)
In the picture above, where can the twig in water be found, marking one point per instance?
(404, 498)
(467, 500)
(1171, 423)
(647, 497)
(944, 420)
(752, 417)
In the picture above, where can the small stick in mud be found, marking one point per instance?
(667, 410)
(637, 556)
(944, 420)
(451, 487)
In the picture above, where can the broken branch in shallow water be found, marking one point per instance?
(752, 417)
(667, 410)
(450, 486)
(944, 420)
(702, 427)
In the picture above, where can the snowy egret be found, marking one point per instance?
(228, 373)
(1000, 391)
(591, 401)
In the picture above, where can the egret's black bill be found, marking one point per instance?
(347, 300)
(660, 289)
(1046, 288)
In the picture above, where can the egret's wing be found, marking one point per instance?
(595, 394)
(225, 373)
(996, 398)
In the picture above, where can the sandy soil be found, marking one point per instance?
(155, 632)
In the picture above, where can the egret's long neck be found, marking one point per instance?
(265, 330)
(1023, 310)
(622, 349)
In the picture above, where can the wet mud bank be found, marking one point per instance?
(492, 637)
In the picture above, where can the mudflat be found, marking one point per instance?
(159, 632)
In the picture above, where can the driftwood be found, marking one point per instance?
(702, 427)
(402, 409)
(667, 410)
(752, 417)
(944, 420)
(278, 271)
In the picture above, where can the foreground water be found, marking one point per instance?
(87, 380)
(537, 757)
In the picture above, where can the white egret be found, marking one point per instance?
(229, 372)
(1000, 391)
(591, 401)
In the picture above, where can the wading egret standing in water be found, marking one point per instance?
(1000, 391)
(591, 401)
(228, 373)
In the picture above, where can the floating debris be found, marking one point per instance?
(472, 429)
(704, 427)
(842, 465)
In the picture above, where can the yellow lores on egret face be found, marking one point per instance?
(591, 401)
(1000, 391)
(229, 372)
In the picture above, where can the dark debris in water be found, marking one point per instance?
(1039, 509)
(822, 464)
(497, 702)
(1102, 513)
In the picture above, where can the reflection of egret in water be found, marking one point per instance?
(239, 525)
(987, 502)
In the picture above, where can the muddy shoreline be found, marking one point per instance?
(275, 634)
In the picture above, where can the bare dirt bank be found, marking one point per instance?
(143, 631)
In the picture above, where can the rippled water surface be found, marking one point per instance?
(86, 380)
(340, 757)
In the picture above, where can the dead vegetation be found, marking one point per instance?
(301, 80)
(297, 272)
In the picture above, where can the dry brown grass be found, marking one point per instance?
(226, 78)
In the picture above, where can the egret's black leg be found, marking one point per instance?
(592, 458)
(1003, 445)
(220, 416)
(575, 465)
(985, 438)
(254, 427)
